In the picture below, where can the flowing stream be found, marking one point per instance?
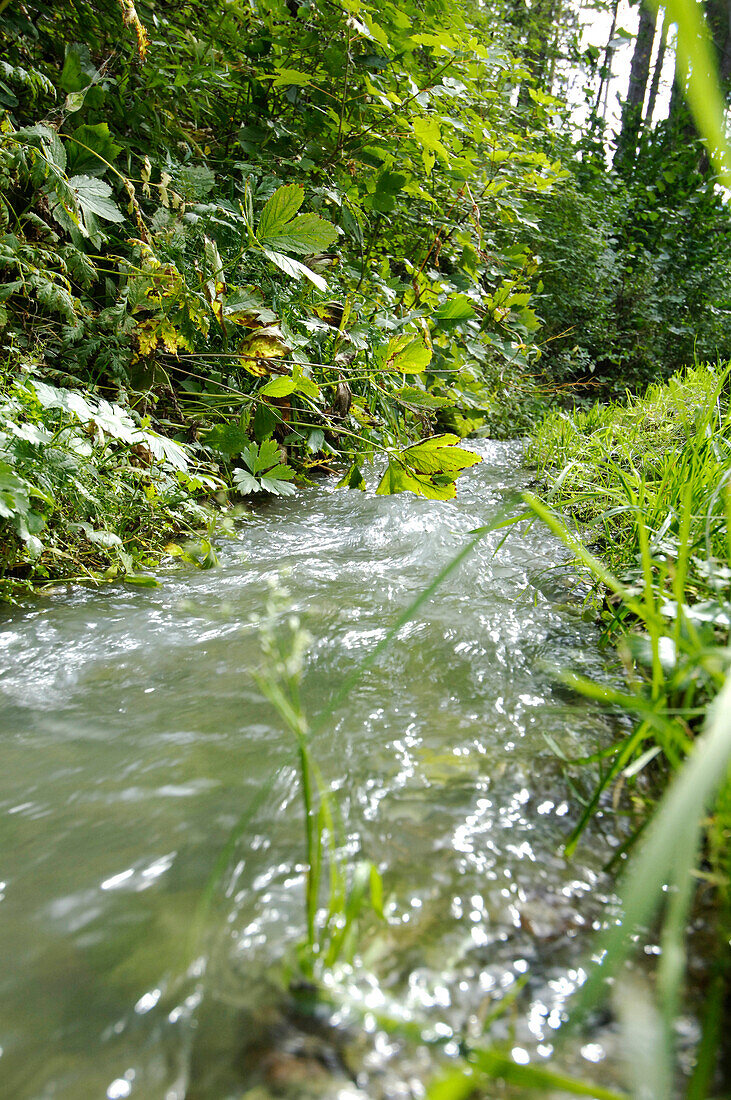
(134, 738)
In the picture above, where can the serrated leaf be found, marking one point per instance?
(78, 69)
(390, 183)
(164, 449)
(412, 395)
(281, 208)
(260, 456)
(278, 387)
(405, 353)
(305, 235)
(456, 309)
(353, 479)
(428, 133)
(89, 147)
(439, 455)
(92, 196)
(397, 479)
(287, 77)
(281, 470)
(245, 483)
(307, 386)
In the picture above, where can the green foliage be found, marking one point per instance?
(636, 273)
(650, 482)
(427, 469)
(86, 490)
(265, 471)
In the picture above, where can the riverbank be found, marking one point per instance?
(92, 490)
(646, 483)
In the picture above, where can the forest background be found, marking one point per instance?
(257, 241)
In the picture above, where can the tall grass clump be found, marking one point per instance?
(644, 488)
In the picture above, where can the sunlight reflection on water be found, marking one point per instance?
(134, 736)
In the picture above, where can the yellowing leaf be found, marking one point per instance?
(397, 479)
(439, 455)
(146, 334)
(406, 354)
(267, 343)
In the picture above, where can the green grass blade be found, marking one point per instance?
(667, 852)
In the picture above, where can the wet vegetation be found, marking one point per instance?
(247, 248)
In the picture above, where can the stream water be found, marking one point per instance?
(133, 738)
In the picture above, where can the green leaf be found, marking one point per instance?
(305, 235)
(280, 209)
(229, 439)
(278, 387)
(399, 479)
(456, 309)
(78, 69)
(261, 456)
(265, 420)
(88, 147)
(103, 538)
(288, 77)
(303, 384)
(294, 268)
(387, 187)
(315, 441)
(281, 470)
(428, 133)
(278, 487)
(353, 479)
(141, 580)
(412, 395)
(439, 455)
(245, 483)
(428, 469)
(495, 1065)
(405, 353)
(92, 196)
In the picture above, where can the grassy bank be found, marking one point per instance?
(641, 491)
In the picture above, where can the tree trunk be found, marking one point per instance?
(657, 72)
(638, 77)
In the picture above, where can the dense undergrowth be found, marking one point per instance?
(220, 230)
